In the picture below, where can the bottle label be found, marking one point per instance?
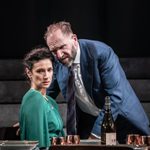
(110, 138)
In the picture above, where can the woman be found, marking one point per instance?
(39, 116)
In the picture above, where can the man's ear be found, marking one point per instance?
(74, 37)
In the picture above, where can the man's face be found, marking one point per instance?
(64, 47)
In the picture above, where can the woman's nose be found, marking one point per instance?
(46, 75)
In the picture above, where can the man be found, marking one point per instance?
(99, 74)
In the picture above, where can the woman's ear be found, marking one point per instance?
(28, 73)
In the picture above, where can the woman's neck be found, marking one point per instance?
(42, 91)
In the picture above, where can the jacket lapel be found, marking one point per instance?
(86, 63)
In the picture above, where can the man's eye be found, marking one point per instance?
(54, 53)
(62, 47)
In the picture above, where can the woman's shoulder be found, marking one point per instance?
(33, 100)
(33, 95)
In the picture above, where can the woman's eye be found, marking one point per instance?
(39, 71)
(50, 69)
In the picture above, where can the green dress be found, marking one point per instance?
(39, 118)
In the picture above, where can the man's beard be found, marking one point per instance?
(70, 59)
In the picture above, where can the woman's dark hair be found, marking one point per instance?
(35, 55)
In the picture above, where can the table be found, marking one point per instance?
(90, 147)
(18, 145)
(95, 145)
(32, 145)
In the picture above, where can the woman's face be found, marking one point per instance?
(41, 74)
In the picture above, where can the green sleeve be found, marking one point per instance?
(56, 107)
(37, 117)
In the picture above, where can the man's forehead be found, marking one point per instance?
(56, 33)
(54, 44)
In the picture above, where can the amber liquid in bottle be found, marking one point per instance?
(108, 129)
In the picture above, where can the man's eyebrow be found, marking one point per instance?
(56, 48)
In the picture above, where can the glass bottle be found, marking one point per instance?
(108, 128)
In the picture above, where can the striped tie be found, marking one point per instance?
(71, 110)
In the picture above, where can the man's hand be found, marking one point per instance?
(92, 137)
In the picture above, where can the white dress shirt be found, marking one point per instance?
(84, 101)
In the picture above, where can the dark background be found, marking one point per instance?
(122, 24)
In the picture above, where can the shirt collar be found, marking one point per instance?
(77, 58)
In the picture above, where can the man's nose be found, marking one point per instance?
(59, 54)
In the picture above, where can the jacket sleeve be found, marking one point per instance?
(113, 80)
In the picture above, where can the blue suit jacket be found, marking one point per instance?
(103, 75)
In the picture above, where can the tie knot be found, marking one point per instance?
(74, 66)
(74, 69)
